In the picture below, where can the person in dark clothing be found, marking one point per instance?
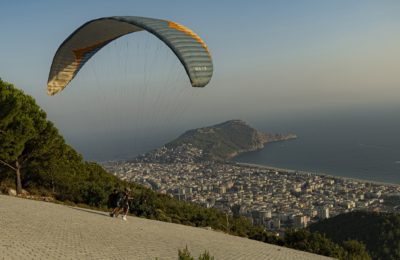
(122, 204)
(112, 199)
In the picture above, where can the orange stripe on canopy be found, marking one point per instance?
(189, 32)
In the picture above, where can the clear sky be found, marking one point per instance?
(272, 59)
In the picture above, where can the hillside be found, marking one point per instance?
(380, 232)
(218, 142)
(39, 230)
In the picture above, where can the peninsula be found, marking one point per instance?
(219, 142)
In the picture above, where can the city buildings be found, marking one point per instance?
(275, 199)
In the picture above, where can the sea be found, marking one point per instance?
(359, 143)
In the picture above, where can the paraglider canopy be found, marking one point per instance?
(82, 44)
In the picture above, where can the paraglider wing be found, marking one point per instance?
(82, 44)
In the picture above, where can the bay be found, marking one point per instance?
(362, 144)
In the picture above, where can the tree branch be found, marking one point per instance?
(6, 164)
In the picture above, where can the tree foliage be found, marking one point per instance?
(319, 244)
(380, 232)
(25, 134)
(185, 254)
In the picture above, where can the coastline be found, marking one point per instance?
(267, 140)
(262, 166)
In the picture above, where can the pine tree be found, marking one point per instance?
(25, 134)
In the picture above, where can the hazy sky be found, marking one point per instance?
(271, 59)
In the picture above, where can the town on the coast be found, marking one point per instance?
(274, 198)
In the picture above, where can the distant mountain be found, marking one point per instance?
(226, 140)
(380, 232)
(218, 142)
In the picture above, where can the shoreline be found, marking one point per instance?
(262, 166)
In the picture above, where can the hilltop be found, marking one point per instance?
(219, 142)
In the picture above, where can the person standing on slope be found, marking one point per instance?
(122, 204)
(112, 201)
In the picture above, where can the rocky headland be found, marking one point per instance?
(219, 142)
